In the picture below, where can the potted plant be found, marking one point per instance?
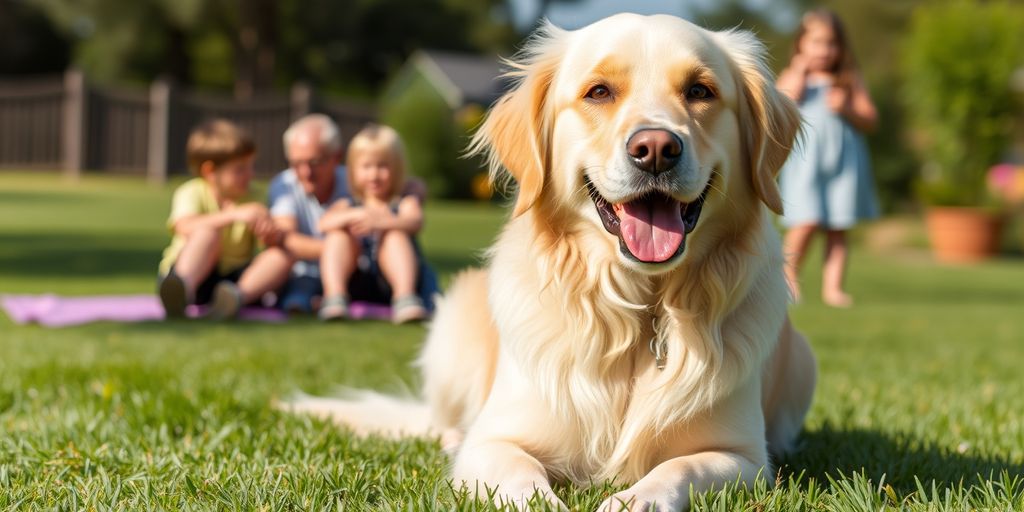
(959, 58)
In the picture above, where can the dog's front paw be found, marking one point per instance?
(528, 498)
(636, 500)
(623, 502)
(451, 440)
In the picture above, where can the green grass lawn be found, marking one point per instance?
(920, 403)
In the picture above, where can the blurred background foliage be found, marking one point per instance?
(427, 125)
(964, 111)
(351, 48)
(253, 45)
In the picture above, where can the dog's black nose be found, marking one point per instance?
(654, 151)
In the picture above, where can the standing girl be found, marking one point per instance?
(370, 251)
(826, 183)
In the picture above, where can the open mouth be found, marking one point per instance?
(651, 228)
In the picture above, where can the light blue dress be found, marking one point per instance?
(827, 179)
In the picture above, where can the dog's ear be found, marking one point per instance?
(769, 121)
(516, 133)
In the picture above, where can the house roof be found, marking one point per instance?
(463, 78)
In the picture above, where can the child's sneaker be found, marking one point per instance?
(172, 296)
(226, 301)
(333, 308)
(408, 309)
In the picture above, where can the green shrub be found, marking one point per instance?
(894, 167)
(435, 138)
(959, 58)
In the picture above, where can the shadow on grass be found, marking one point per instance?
(899, 457)
(67, 254)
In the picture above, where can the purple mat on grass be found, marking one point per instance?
(56, 311)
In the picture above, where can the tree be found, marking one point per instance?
(127, 41)
(354, 47)
(251, 45)
(255, 30)
(29, 43)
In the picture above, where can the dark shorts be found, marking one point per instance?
(367, 282)
(366, 285)
(204, 292)
(299, 292)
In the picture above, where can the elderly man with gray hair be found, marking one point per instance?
(299, 196)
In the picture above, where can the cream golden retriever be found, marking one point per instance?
(631, 324)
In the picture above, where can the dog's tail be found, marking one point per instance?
(367, 412)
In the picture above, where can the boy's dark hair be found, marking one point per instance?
(217, 141)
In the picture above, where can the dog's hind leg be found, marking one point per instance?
(459, 357)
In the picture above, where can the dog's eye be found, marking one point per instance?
(699, 92)
(599, 93)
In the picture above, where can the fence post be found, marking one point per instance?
(301, 100)
(159, 131)
(73, 123)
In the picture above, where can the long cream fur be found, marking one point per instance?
(538, 368)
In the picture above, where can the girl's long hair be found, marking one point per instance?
(845, 67)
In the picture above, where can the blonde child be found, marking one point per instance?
(212, 256)
(370, 249)
(826, 183)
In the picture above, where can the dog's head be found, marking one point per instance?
(648, 128)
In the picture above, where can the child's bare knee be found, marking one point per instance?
(206, 238)
(395, 237)
(278, 254)
(339, 235)
(205, 234)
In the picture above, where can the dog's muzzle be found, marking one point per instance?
(651, 228)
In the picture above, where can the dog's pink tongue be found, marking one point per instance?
(652, 231)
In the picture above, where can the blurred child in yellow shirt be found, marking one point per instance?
(213, 255)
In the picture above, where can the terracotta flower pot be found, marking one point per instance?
(963, 235)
